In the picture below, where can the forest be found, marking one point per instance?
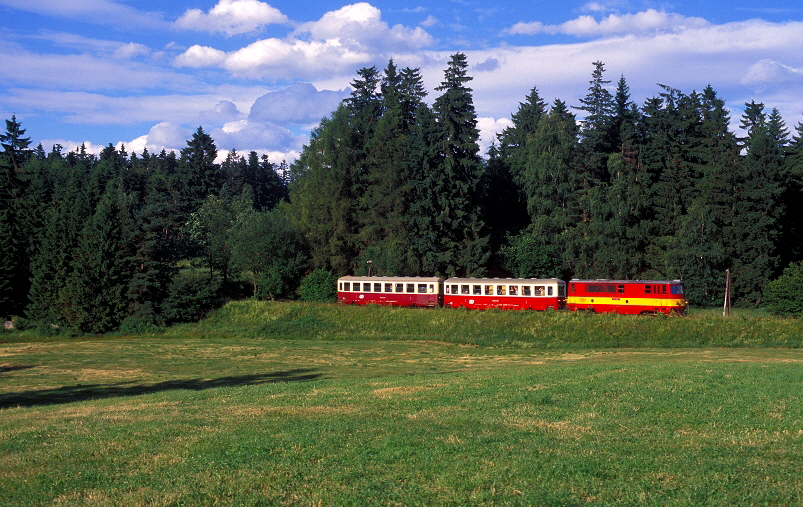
(605, 188)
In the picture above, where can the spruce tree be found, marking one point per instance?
(461, 247)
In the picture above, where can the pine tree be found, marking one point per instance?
(324, 189)
(757, 210)
(93, 300)
(460, 246)
(197, 176)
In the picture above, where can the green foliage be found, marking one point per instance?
(320, 286)
(784, 295)
(191, 296)
(527, 256)
(272, 253)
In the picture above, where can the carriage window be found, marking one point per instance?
(388, 287)
(410, 288)
(539, 290)
(500, 290)
(676, 289)
(489, 290)
(648, 289)
(525, 290)
(549, 290)
(347, 286)
(422, 288)
(432, 288)
(399, 287)
(478, 290)
(620, 289)
(514, 290)
(341, 286)
(377, 287)
(453, 288)
(562, 290)
(366, 287)
(464, 289)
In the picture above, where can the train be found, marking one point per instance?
(625, 297)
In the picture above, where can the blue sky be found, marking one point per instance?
(259, 75)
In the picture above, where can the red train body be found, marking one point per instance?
(390, 290)
(505, 293)
(627, 296)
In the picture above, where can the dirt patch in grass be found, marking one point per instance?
(389, 392)
(562, 427)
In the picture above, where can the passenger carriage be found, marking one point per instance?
(390, 290)
(627, 296)
(505, 293)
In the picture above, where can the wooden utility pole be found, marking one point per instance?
(726, 309)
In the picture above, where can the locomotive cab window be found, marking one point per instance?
(677, 289)
(648, 289)
(663, 289)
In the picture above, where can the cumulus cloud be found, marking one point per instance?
(200, 56)
(338, 42)
(223, 111)
(300, 104)
(650, 21)
(232, 17)
(246, 135)
(767, 72)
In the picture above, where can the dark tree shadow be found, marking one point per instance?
(80, 392)
(6, 369)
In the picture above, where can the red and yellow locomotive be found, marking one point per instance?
(627, 296)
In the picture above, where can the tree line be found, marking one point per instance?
(615, 190)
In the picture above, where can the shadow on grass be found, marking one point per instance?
(80, 392)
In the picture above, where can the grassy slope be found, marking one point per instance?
(374, 406)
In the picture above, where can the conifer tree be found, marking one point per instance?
(197, 176)
(460, 246)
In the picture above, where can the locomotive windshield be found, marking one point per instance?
(677, 289)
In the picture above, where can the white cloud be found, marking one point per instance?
(340, 41)
(200, 56)
(232, 17)
(245, 136)
(488, 128)
(650, 21)
(102, 12)
(131, 50)
(300, 104)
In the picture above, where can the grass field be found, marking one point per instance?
(293, 404)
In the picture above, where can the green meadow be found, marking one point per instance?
(312, 404)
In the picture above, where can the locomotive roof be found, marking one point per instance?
(605, 280)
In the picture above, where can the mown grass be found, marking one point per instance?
(279, 404)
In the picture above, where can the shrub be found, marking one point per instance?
(320, 286)
(191, 297)
(784, 296)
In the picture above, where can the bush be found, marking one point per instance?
(191, 297)
(320, 286)
(784, 296)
